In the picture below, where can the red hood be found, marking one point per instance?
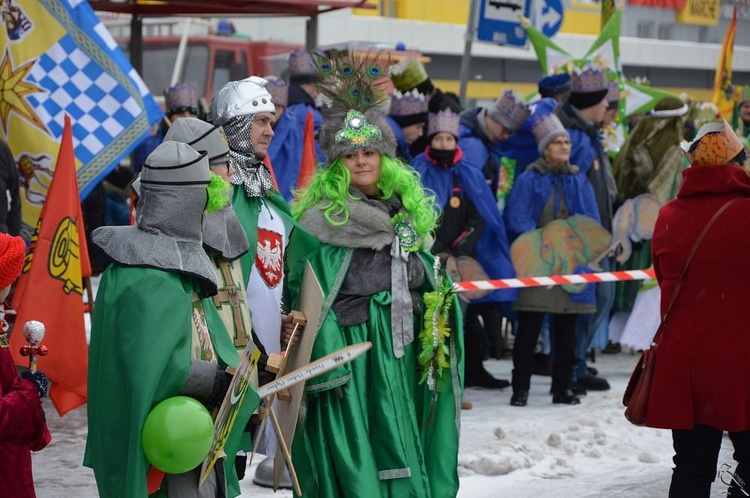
(722, 179)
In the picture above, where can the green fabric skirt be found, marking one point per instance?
(379, 435)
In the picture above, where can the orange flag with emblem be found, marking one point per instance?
(307, 165)
(50, 288)
(723, 92)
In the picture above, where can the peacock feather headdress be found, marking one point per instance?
(352, 82)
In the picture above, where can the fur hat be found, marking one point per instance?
(200, 136)
(554, 84)
(181, 97)
(12, 255)
(715, 144)
(546, 129)
(510, 110)
(238, 98)
(343, 132)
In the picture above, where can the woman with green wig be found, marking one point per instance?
(387, 424)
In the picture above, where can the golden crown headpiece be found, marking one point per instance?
(715, 144)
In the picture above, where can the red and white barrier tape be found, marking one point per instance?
(515, 283)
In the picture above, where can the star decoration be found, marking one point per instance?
(13, 91)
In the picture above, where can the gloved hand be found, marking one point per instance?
(39, 380)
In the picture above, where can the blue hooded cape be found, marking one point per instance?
(300, 112)
(493, 250)
(285, 152)
(521, 146)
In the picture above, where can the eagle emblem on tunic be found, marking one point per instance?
(269, 257)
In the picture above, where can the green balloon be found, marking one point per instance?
(177, 434)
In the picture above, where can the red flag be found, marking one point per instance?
(307, 165)
(267, 161)
(50, 288)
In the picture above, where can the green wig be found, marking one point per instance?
(329, 192)
(219, 191)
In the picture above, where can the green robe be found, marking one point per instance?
(377, 436)
(142, 343)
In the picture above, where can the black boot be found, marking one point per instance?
(566, 397)
(519, 398)
(479, 377)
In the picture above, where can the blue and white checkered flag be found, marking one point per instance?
(60, 59)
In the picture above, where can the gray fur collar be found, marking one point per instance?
(369, 224)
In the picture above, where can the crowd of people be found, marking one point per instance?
(411, 192)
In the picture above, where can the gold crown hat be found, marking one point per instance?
(446, 121)
(181, 96)
(278, 89)
(510, 110)
(408, 74)
(547, 128)
(715, 144)
(408, 103)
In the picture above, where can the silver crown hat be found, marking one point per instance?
(239, 98)
(200, 136)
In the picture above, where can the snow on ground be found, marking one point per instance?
(541, 450)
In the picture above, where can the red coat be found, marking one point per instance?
(22, 430)
(702, 370)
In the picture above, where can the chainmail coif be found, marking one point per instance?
(250, 171)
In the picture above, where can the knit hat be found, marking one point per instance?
(669, 107)
(446, 121)
(342, 133)
(554, 84)
(588, 86)
(546, 129)
(409, 107)
(200, 136)
(181, 97)
(12, 255)
(510, 110)
(715, 144)
(278, 89)
(301, 66)
(238, 98)
(408, 74)
(177, 165)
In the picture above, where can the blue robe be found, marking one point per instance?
(493, 250)
(285, 152)
(402, 148)
(300, 111)
(522, 146)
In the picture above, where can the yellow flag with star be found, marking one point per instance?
(59, 59)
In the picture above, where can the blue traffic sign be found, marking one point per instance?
(499, 21)
(549, 17)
